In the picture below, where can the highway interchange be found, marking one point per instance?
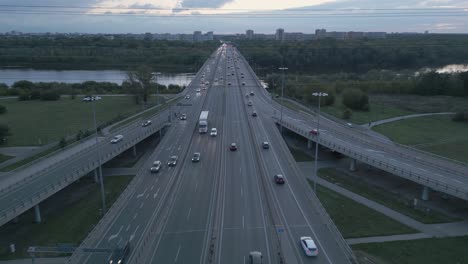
(226, 205)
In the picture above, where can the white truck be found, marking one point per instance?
(203, 122)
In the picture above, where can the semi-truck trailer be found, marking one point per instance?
(203, 122)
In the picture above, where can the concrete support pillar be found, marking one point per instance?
(134, 151)
(309, 144)
(37, 214)
(425, 193)
(352, 165)
(96, 177)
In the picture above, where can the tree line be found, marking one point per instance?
(99, 52)
(331, 56)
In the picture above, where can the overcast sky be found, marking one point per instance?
(233, 16)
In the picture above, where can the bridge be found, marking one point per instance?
(220, 209)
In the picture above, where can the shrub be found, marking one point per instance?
(4, 132)
(355, 99)
(459, 117)
(50, 96)
(63, 143)
(3, 109)
(347, 113)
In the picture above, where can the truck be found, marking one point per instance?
(203, 122)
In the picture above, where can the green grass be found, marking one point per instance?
(32, 158)
(356, 220)
(300, 155)
(67, 217)
(436, 134)
(422, 251)
(5, 158)
(377, 111)
(383, 197)
(34, 123)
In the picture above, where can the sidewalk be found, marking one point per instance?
(428, 230)
(398, 118)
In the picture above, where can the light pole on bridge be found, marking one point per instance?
(282, 95)
(319, 95)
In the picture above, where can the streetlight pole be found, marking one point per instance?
(282, 96)
(319, 94)
(98, 152)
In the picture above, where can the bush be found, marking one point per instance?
(355, 99)
(347, 113)
(460, 117)
(4, 133)
(24, 96)
(50, 96)
(79, 135)
(3, 109)
(63, 143)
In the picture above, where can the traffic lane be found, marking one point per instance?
(298, 191)
(131, 220)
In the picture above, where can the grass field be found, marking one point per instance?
(5, 158)
(436, 134)
(356, 220)
(35, 123)
(383, 197)
(423, 251)
(67, 217)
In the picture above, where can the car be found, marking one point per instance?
(265, 145)
(172, 161)
(242, 76)
(255, 257)
(229, 83)
(314, 132)
(279, 179)
(249, 103)
(196, 157)
(214, 132)
(187, 96)
(198, 90)
(232, 74)
(242, 73)
(183, 117)
(156, 166)
(243, 83)
(120, 254)
(117, 139)
(204, 88)
(146, 123)
(233, 147)
(254, 114)
(349, 125)
(207, 83)
(308, 244)
(252, 93)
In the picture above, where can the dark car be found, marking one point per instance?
(265, 145)
(146, 123)
(279, 179)
(233, 147)
(172, 161)
(254, 114)
(183, 117)
(251, 93)
(314, 132)
(120, 254)
(196, 157)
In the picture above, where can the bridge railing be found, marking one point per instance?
(382, 163)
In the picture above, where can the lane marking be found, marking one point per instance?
(142, 194)
(147, 195)
(141, 205)
(133, 235)
(243, 225)
(242, 192)
(196, 186)
(156, 193)
(188, 215)
(128, 227)
(115, 235)
(152, 186)
(177, 255)
(135, 216)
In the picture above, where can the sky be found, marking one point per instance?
(233, 16)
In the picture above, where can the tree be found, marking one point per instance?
(140, 82)
(459, 117)
(63, 143)
(79, 135)
(3, 109)
(4, 133)
(355, 99)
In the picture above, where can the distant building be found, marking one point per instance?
(375, 35)
(279, 34)
(336, 35)
(208, 35)
(320, 33)
(249, 34)
(197, 36)
(354, 35)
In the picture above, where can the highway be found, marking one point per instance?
(221, 208)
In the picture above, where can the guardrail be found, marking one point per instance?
(20, 206)
(382, 164)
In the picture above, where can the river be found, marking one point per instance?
(9, 76)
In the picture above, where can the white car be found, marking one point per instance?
(156, 166)
(187, 96)
(116, 139)
(308, 244)
(214, 132)
(198, 90)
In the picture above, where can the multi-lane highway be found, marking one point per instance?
(221, 208)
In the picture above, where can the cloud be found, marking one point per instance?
(204, 3)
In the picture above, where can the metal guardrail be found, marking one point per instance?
(37, 196)
(381, 163)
